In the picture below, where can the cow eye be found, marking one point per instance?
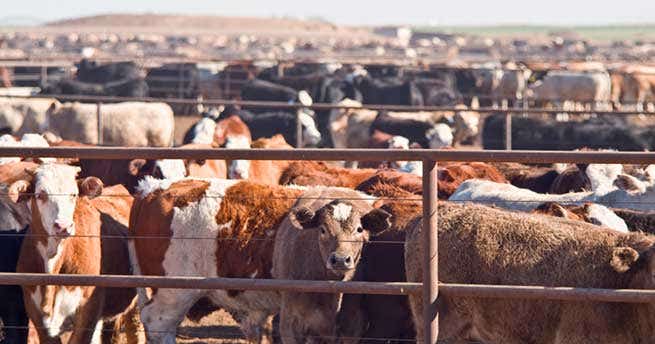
(360, 229)
(42, 196)
(323, 231)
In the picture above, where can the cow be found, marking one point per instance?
(234, 129)
(539, 133)
(339, 120)
(243, 217)
(375, 317)
(133, 124)
(637, 221)
(391, 91)
(594, 258)
(261, 171)
(203, 130)
(64, 236)
(584, 87)
(320, 173)
(321, 239)
(426, 134)
(91, 72)
(272, 123)
(15, 219)
(261, 90)
(451, 176)
(20, 116)
(633, 85)
(118, 88)
(588, 212)
(608, 192)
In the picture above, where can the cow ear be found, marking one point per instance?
(376, 221)
(623, 258)
(90, 187)
(20, 190)
(135, 166)
(303, 217)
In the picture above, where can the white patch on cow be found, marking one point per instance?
(58, 182)
(310, 134)
(203, 131)
(304, 98)
(171, 168)
(440, 136)
(150, 184)
(9, 141)
(254, 274)
(66, 304)
(603, 216)
(97, 332)
(341, 212)
(413, 167)
(602, 176)
(238, 169)
(398, 142)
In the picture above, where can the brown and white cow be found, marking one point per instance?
(261, 171)
(64, 238)
(320, 173)
(237, 221)
(322, 239)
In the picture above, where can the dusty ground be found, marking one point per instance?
(218, 327)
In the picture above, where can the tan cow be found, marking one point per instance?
(322, 239)
(64, 238)
(482, 245)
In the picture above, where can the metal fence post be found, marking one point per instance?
(298, 130)
(99, 116)
(508, 131)
(430, 253)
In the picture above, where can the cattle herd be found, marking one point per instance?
(572, 225)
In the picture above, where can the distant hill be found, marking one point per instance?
(186, 23)
(20, 21)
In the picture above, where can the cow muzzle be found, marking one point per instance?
(64, 228)
(340, 262)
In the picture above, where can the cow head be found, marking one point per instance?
(440, 136)
(310, 134)
(343, 230)
(54, 191)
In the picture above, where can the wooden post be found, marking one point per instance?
(99, 116)
(430, 253)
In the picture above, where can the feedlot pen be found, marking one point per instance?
(430, 289)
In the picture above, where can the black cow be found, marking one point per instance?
(175, 80)
(414, 130)
(120, 88)
(534, 133)
(268, 124)
(391, 91)
(436, 92)
(14, 220)
(91, 72)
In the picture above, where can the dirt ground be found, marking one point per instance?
(219, 327)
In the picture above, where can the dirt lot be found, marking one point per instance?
(218, 327)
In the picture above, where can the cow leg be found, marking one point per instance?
(87, 326)
(165, 311)
(32, 297)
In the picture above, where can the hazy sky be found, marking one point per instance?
(441, 12)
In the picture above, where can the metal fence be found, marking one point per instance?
(99, 100)
(430, 287)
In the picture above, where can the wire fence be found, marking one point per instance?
(430, 287)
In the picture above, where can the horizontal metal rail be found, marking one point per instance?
(114, 153)
(179, 282)
(325, 106)
(352, 287)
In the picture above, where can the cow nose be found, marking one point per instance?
(338, 262)
(62, 228)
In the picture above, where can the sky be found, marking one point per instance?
(362, 12)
